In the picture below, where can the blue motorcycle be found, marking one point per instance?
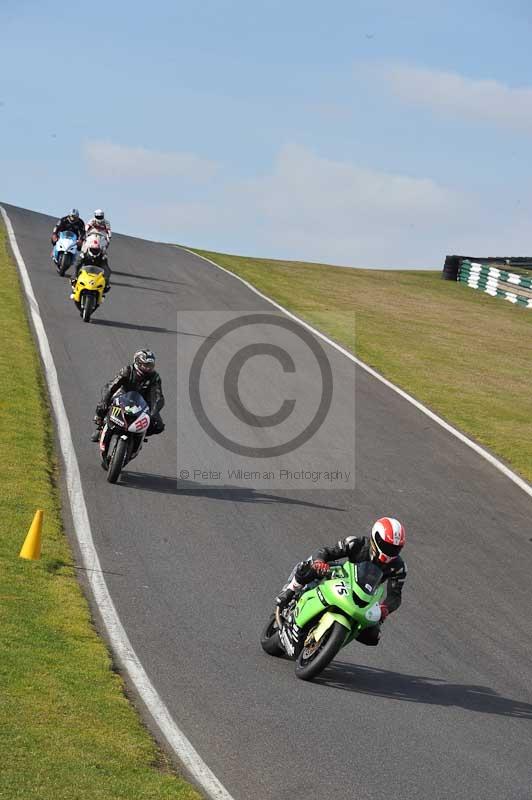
(65, 252)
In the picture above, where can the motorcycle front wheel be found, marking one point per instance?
(65, 260)
(269, 639)
(87, 307)
(315, 656)
(116, 462)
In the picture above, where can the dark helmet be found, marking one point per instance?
(144, 363)
(73, 214)
(387, 540)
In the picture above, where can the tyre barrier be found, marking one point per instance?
(493, 276)
(451, 267)
(496, 282)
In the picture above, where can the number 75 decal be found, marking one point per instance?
(341, 589)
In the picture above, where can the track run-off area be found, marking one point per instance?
(442, 708)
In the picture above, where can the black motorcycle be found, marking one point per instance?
(123, 432)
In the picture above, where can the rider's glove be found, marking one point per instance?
(384, 611)
(320, 567)
(54, 238)
(78, 244)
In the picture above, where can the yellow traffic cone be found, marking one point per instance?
(31, 549)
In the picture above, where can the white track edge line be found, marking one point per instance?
(463, 438)
(117, 635)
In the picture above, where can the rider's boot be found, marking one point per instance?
(99, 424)
(96, 435)
(370, 636)
(287, 594)
(73, 281)
(284, 597)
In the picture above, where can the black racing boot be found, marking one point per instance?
(284, 598)
(96, 435)
(370, 636)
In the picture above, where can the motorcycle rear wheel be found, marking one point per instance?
(116, 462)
(65, 260)
(313, 660)
(269, 638)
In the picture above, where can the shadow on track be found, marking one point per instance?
(417, 689)
(141, 288)
(55, 565)
(236, 494)
(145, 277)
(116, 324)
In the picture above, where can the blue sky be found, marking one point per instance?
(359, 133)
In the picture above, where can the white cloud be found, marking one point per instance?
(309, 192)
(307, 207)
(450, 93)
(310, 207)
(115, 161)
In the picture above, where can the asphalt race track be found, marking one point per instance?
(443, 707)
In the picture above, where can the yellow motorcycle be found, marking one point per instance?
(88, 291)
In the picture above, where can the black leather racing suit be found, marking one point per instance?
(149, 387)
(65, 224)
(88, 260)
(356, 549)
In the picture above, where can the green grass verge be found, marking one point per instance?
(462, 353)
(67, 728)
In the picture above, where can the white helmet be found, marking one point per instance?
(94, 246)
(99, 215)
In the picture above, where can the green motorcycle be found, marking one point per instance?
(325, 617)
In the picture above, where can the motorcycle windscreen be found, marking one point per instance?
(68, 235)
(131, 402)
(368, 576)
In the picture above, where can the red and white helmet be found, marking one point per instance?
(387, 539)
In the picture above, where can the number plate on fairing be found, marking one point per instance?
(141, 424)
(341, 589)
